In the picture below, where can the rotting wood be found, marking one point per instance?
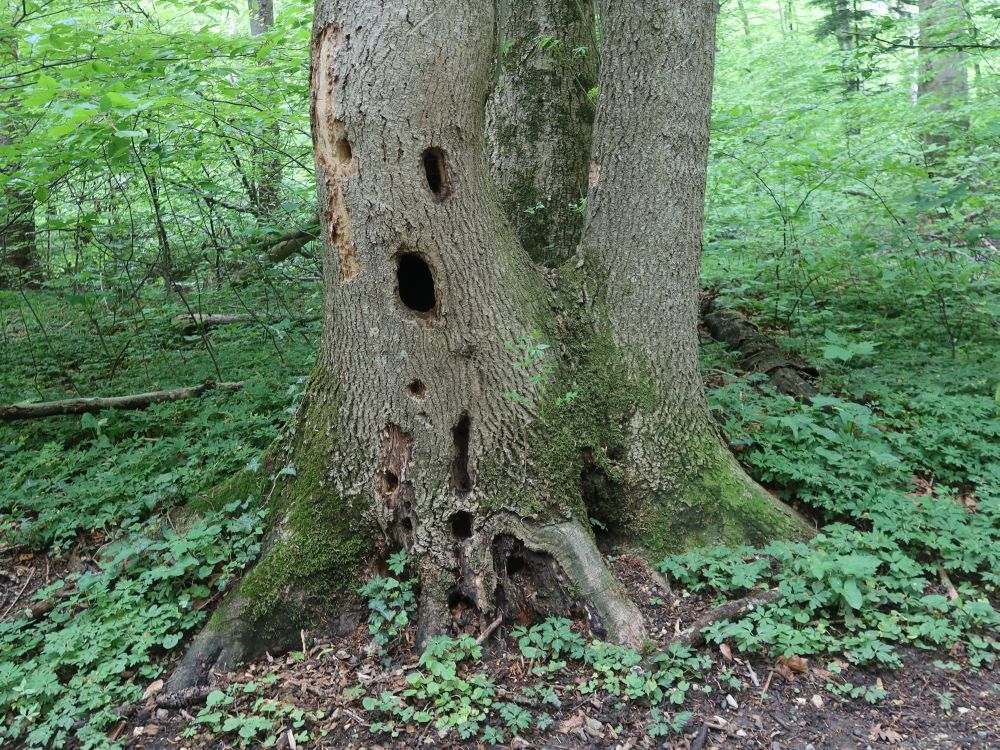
(13, 412)
(758, 353)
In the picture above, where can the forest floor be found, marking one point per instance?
(743, 701)
(896, 461)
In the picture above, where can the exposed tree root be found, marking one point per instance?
(14, 412)
(758, 353)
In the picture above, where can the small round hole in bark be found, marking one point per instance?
(436, 172)
(416, 284)
(416, 390)
(344, 152)
(407, 524)
(389, 482)
(461, 524)
(515, 564)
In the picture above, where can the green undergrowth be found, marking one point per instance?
(103, 500)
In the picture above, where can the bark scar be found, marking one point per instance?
(335, 160)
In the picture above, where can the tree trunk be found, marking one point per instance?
(17, 235)
(745, 22)
(944, 76)
(18, 255)
(267, 166)
(539, 120)
(433, 421)
(642, 242)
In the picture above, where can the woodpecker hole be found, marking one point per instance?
(461, 524)
(416, 390)
(416, 285)
(460, 479)
(344, 153)
(436, 173)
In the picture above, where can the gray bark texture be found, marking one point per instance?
(434, 422)
(642, 238)
(266, 197)
(540, 119)
(944, 75)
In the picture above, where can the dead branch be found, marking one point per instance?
(191, 322)
(758, 353)
(283, 247)
(13, 412)
(692, 635)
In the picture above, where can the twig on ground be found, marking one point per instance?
(692, 635)
(488, 632)
(17, 598)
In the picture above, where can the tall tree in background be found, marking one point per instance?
(436, 421)
(843, 19)
(18, 255)
(266, 194)
(944, 76)
(540, 118)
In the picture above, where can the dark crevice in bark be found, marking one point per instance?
(532, 586)
(415, 282)
(437, 173)
(344, 152)
(460, 435)
(416, 389)
(601, 494)
(461, 524)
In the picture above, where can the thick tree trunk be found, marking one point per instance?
(642, 241)
(433, 422)
(540, 118)
(944, 76)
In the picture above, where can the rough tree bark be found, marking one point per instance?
(944, 75)
(267, 166)
(540, 118)
(418, 432)
(19, 263)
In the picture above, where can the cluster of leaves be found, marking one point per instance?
(448, 693)
(848, 592)
(99, 644)
(391, 603)
(261, 725)
(109, 491)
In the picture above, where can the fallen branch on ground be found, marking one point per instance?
(692, 635)
(758, 353)
(13, 412)
(193, 321)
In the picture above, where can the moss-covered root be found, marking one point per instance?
(720, 505)
(228, 640)
(573, 547)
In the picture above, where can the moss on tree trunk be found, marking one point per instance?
(434, 422)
